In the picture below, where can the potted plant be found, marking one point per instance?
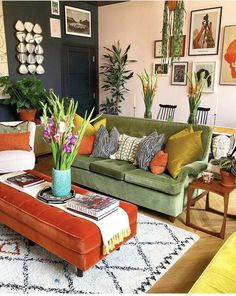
(173, 22)
(25, 94)
(116, 76)
(227, 170)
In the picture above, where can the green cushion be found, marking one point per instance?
(9, 129)
(84, 161)
(163, 182)
(112, 168)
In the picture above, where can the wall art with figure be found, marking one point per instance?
(209, 69)
(205, 31)
(228, 61)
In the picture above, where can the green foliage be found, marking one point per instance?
(109, 107)
(227, 164)
(173, 22)
(26, 93)
(116, 74)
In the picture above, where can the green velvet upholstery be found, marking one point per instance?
(112, 168)
(123, 180)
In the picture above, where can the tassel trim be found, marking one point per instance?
(116, 239)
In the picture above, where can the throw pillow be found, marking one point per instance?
(105, 144)
(127, 148)
(86, 145)
(159, 163)
(147, 148)
(9, 129)
(90, 130)
(15, 141)
(183, 148)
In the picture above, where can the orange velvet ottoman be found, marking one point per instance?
(71, 238)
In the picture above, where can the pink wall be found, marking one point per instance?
(139, 23)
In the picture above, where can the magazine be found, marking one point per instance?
(93, 217)
(24, 180)
(93, 204)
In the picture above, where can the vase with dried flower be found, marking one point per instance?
(149, 85)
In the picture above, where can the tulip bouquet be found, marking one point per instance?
(149, 84)
(58, 130)
(195, 88)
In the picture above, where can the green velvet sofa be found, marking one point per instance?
(123, 180)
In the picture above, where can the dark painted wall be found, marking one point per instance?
(40, 12)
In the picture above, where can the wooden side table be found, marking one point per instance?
(217, 188)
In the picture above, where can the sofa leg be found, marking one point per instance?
(80, 272)
(30, 243)
(172, 219)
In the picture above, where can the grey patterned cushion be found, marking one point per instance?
(11, 129)
(148, 148)
(105, 144)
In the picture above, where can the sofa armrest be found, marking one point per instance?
(194, 169)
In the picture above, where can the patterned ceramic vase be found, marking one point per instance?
(61, 182)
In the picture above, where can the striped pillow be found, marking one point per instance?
(127, 148)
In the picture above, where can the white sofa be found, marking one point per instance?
(17, 160)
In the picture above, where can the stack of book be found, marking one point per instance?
(93, 205)
(24, 181)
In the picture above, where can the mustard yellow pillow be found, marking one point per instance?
(91, 130)
(183, 148)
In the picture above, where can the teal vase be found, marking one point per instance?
(61, 182)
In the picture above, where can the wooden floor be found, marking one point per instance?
(181, 277)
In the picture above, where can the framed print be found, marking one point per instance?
(178, 76)
(55, 7)
(157, 49)
(228, 69)
(209, 69)
(205, 31)
(77, 21)
(55, 28)
(183, 39)
(161, 69)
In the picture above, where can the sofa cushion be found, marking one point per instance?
(159, 163)
(112, 168)
(86, 145)
(90, 129)
(16, 160)
(147, 149)
(164, 182)
(20, 127)
(15, 141)
(84, 161)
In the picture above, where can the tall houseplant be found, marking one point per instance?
(149, 85)
(64, 144)
(25, 95)
(173, 22)
(116, 76)
(195, 88)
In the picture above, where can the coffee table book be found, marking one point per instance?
(24, 180)
(94, 205)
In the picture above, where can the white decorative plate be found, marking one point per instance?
(32, 69)
(29, 38)
(28, 26)
(37, 29)
(38, 38)
(40, 69)
(39, 58)
(39, 49)
(19, 26)
(22, 57)
(31, 59)
(21, 48)
(30, 47)
(23, 69)
(20, 36)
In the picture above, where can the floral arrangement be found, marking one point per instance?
(195, 88)
(58, 130)
(149, 84)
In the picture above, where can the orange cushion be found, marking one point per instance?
(159, 163)
(15, 141)
(86, 145)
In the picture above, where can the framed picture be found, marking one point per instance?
(55, 7)
(157, 49)
(183, 39)
(228, 71)
(178, 76)
(55, 28)
(205, 31)
(209, 69)
(77, 21)
(161, 69)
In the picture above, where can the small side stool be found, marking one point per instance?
(216, 187)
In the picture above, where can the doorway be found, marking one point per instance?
(79, 76)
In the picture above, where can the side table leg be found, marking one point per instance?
(189, 196)
(226, 203)
(207, 207)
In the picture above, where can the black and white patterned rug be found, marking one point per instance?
(134, 269)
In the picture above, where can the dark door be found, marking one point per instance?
(78, 79)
